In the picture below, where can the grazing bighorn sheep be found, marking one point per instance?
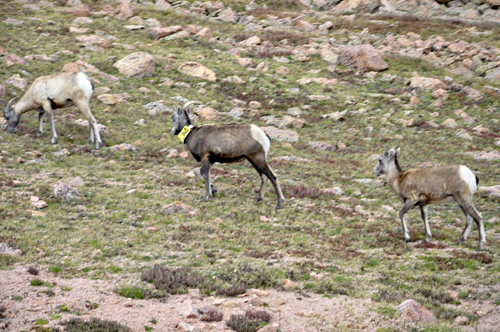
(54, 91)
(437, 185)
(226, 144)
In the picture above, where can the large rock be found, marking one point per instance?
(187, 310)
(162, 5)
(364, 57)
(66, 192)
(124, 11)
(207, 113)
(136, 65)
(204, 33)
(426, 83)
(195, 69)
(329, 56)
(158, 33)
(492, 192)
(94, 40)
(493, 76)
(413, 311)
(281, 135)
(228, 15)
(491, 2)
(492, 91)
(17, 81)
(110, 99)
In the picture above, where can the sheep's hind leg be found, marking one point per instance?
(266, 170)
(84, 108)
(41, 114)
(424, 211)
(471, 214)
(205, 172)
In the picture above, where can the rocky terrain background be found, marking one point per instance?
(119, 239)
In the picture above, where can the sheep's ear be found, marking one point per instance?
(385, 152)
(398, 152)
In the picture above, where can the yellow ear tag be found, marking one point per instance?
(185, 131)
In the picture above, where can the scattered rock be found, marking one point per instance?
(17, 81)
(426, 83)
(206, 113)
(94, 40)
(162, 5)
(66, 191)
(492, 192)
(325, 146)
(187, 309)
(123, 147)
(78, 181)
(136, 65)
(317, 276)
(178, 207)
(282, 70)
(124, 11)
(185, 327)
(461, 320)
(289, 285)
(450, 123)
(157, 107)
(228, 15)
(204, 33)
(260, 293)
(364, 57)
(113, 99)
(84, 123)
(158, 33)
(195, 69)
(413, 311)
(281, 135)
(464, 135)
(252, 41)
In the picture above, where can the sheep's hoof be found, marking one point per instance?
(479, 249)
(205, 199)
(279, 207)
(214, 191)
(407, 240)
(39, 134)
(427, 240)
(459, 242)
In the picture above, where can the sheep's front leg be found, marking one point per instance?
(424, 211)
(407, 207)
(41, 114)
(48, 109)
(205, 172)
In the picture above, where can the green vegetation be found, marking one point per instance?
(131, 292)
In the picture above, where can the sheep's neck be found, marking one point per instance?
(393, 174)
(186, 139)
(23, 105)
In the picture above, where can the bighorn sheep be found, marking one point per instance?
(437, 185)
(226, 144)
(54, 91)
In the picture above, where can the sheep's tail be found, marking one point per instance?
(477, 179)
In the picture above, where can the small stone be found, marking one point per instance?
(195, 69)
(184, 154)
(256, 302)
(260, 293)
(462, 320)
(264, 219)
(152, 229)
(78, 181)
(413, 311)
(94, 40)
(178, 207)
(187, 310)
(494, 220)
(35, 213)
(39, 204)
(317, 276)
(289, 285)
(450, 123)
(136, 65)
(282, 70)
(185, 327)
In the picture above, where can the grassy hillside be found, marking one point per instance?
(351, 239)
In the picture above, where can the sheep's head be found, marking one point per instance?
(180, 119)
(385, 160)
(11, 117)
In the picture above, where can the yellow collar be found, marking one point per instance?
(185, 131)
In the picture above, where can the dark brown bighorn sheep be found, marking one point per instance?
(54, 91)
(437, 185)
(226, 144)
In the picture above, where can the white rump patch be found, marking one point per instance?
(260, 136)
(83, 81)
(469, 177)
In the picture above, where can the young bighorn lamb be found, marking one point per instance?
(226, 144)
(54, 91)
(437, 185)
